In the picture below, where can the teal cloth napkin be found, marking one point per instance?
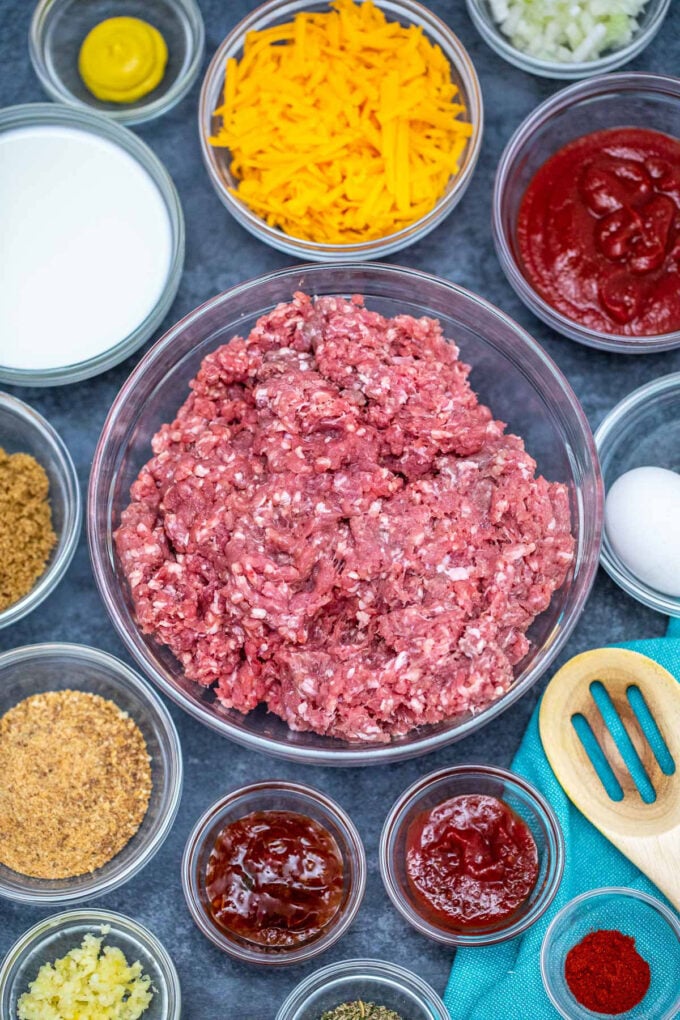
(504, 982)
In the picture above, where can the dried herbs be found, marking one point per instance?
(360, 1010)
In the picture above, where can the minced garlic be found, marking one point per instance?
(89, 983)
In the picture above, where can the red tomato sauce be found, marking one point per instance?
(275, 878)
(471, 862)
(599, 231)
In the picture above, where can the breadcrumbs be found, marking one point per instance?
(75, 782)
(26, 534)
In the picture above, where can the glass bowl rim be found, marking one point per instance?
(122, 674)
(564, 912)
(258, 955)
(140, 114)
(26, 115)
(73, 510)
(595, 87)
(562, 70)
(31, 939)
(354, 756)
(363, 967)
(411, 797)
(317, 250)
(606, 433)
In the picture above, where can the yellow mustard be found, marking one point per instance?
(122, 59)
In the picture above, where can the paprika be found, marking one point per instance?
(605, 973)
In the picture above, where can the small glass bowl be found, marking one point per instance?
(56, 667)
(649, 22)
(643, 430)
(42, 114)
(617, 100)
(655, 929)
(376, 981)
(277, 12)
(522, 798)
(23, 430)
(59, 27)
(53, 937)
(273, 795)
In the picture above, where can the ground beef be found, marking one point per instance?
(334, 526)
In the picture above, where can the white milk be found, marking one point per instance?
(85, 246)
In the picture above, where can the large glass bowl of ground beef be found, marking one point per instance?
(315, 525)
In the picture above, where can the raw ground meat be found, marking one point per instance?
(335, 526)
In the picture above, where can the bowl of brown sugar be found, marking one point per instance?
(90, 773)
(40, 509)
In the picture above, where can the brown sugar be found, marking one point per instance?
(75, 782)
(26, 534)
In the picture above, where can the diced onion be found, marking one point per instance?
(568, 31)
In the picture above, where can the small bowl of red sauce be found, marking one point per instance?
(274, 873)
(471, 855)
(613, 952)
(586, 212)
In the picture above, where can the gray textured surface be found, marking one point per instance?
(220, 254)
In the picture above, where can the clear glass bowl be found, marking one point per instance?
(55, 936)
(523, 798)
(511, 373)
(656, 931)
(41, 114)
(59, 27)
(273, 795)
(616, 100)
(277, 12)
(643, 430)
(649, 21)
(23, 430)
(55, 667)
(376, 981)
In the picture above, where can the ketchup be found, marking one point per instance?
(471, 862)
(275, 878)
(599, 231)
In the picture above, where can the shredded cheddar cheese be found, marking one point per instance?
(341, 126)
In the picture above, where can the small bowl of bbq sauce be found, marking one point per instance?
(471, 855)
(274, 873)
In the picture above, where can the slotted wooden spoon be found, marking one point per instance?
(648, 834)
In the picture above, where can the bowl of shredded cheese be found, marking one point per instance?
(89, 965)
(342, 130)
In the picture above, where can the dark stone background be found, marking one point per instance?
(220, 254)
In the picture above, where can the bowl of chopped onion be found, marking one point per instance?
(568, 39)
(340, 131)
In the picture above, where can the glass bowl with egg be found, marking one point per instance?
(567, 49)
(111, 250)
(54, 937)
(23, 430)
(54, 669)
(641, 546)
(328, 855)
(425, 210)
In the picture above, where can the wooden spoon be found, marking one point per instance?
(648, 834)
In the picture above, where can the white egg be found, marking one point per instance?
(642, 522)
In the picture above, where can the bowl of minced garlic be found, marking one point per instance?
(340, 130)
(40, 509)
(90, 773)
(89, 965)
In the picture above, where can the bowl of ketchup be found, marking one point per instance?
(274, 873)
(471, 855)
(586, 212)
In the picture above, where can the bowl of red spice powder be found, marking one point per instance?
(613, 952)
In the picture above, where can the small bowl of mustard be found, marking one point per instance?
(131, 62)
